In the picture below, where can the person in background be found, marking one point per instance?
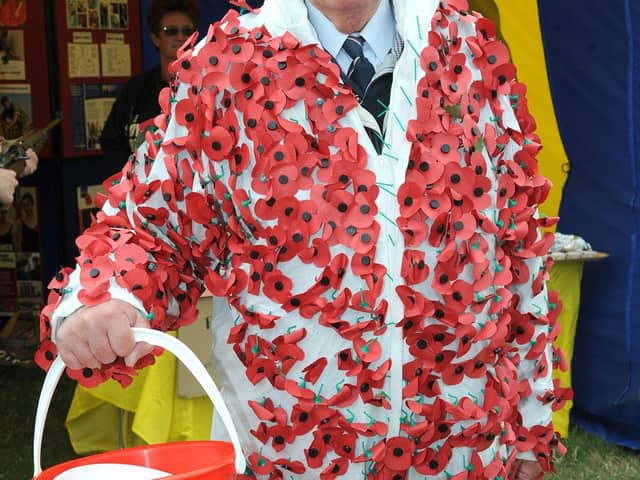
(28, 231)
(356, 181)
(171, 23)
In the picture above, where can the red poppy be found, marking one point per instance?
(455, 81)
(296, 467)
(435, 204)
(337, 107)
(432, 462)
(399, 453)
(260, 464)
(87, 377)
(314, 370)
(60, 279)
(411, 198)
(296, 81)
(337, 467)
(414, 269)
(414, 229)
(316, 452)
(367, 351)
(444, 147)
(94, 296)
(46, 354)
(461, 296)
(431, 64)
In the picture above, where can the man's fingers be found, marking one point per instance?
(94, 336)
(141, 349)
(70, 360)
(121, 338)
(80, 358)
(527, 470)
(101, 349)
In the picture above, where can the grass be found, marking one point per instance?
(588, 457)
(19, 390)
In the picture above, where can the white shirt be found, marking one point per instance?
(378, 34)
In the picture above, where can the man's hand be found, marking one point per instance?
(31, 164)
(527, 470)
(8, 184)
(95, 336)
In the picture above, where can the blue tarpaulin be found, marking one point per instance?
(593, 54)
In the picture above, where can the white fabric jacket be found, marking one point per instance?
(441, 337)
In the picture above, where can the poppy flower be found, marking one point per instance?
(333, 109)
(411, 199)
(337, 467)
(414, 229)
(414, 269)
(296, 467)
(443, 276)
(94, 296)
(283, 180)
(314, 370)
(562, 395)
(87, 377)
(345, 445)
(316, 452)
(461, 296)
(436, 204)
(91, 245)
(46, 354)
(367, 351)
(280, 436)
(398, 453)
(444, 148)
(431, 64)
(415, 303)
(260, 464)
(459, 179)
(60, 279)
(432, 462)
(455, 80)
(296, 80)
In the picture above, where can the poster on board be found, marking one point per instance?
(15, 109)
(97, 14)
(12, 65)
(21, 288)
(90, 106)
(13, 13)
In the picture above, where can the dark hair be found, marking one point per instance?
(159, 8)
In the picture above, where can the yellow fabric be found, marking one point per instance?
(565, 277)
(150, 408)
(521, 28)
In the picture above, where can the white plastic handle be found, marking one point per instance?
(153, 337)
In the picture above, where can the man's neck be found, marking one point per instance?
(349, 20)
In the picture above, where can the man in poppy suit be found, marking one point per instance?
(366, 211)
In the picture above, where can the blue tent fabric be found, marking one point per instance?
(593, 57)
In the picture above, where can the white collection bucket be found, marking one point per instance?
(210, 460)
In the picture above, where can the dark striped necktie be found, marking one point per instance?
(360, 70)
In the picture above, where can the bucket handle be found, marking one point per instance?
(160, 339)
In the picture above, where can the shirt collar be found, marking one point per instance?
(378, 32)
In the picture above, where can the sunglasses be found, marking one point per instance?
(172, 30)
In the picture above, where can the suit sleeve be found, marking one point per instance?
(160, 235)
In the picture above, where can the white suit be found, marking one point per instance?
(386, 313)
